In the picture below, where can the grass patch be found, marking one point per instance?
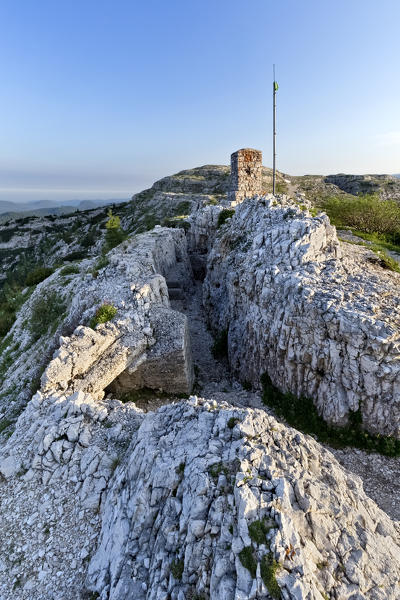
(219, 348)
(387, 242)
(385, 260)
(302, 414)
(103, 314)
(224, 215)
(246, 557)
(269, 567)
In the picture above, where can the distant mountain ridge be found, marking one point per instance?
(46, 207)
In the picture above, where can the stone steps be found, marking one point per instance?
(175, 290)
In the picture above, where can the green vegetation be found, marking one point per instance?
(6, 322)
(248, 560)
(302, 414)
(4, 423)
(180, 469)
(219, 348)
(115, 235)
(224, 215)
(104, 313)
(367, 213)
(11, 300)
(269, 568)
(384, 259)
(370, 218)
(37, 275)
(281, 187)
(216, 469)
(101, 264)
(175, 222)
(232, 422)
(177, 567)
(76, 255)
(47, 311)
(70, 270)
(258, 530)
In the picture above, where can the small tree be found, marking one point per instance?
(115, 234)
(114, 222)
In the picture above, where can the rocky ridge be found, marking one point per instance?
(200, 499)
(297, 305)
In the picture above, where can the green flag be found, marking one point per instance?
(275, 86)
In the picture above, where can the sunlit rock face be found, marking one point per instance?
(206, 484)
(322, 322)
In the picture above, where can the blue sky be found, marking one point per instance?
(100, 98)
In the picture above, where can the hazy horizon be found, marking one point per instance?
(101, 100)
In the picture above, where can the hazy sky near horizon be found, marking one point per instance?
(100, 98)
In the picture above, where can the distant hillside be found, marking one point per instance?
(42, 208)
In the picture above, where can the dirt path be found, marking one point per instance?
(213, 377)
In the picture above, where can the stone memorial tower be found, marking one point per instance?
(246, 175)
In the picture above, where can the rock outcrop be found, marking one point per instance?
(142, 331)
(211, 495)
(314, 318)
(200, 499)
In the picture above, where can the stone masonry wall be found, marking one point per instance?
(246, 175)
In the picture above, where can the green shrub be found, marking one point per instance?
(70, 270)
(219, 348)
(258, 531)
(37, 275)
(114, 237)
(247, 559)
(232, 422)
(269, 568)
(114, 234)
(366, 213)
(224, 215)
(89, 239)
(77, 255)
(104, 313)
(175, 222)
(47, 311)
(177, 567)
(302, 414)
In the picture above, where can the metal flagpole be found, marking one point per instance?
(275, 87)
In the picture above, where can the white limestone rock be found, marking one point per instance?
(319, 318)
